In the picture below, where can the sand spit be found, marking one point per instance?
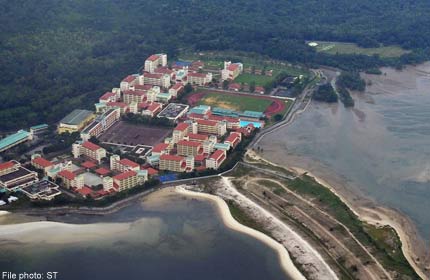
(303, 253)
(379, 216)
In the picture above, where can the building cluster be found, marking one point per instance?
(200, 142)
(14, 177)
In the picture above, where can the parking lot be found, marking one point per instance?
(132, 134)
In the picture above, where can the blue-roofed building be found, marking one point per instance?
(224, 112)
(38, 128)
(164, 97)
(252, 115)
(201, 109)
(15, 139)
(222, 146)
(182, 63)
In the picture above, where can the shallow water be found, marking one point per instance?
(380, 149)
(167, 238)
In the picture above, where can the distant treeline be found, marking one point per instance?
(59, 55)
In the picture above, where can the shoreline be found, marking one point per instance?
(222, 208)
(384, 217)
(372, 214)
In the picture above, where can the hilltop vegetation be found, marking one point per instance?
(58, 55)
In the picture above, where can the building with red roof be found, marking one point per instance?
(259, 89)
(172, 163)
(161, 148)
(41, 163)
(108, 97)
(197, 137)
(121, 105)
(88, 164)
(128, 82)
(154, 61)
(231, 70)
(216, 159)
(7, 167)
(102, 171)
(13, 176)
(211, 127)
(152, 109)
(130, 96)
(180, 131)
(70, 179)
(234, 86)
(233, 139)
(200, 79)
(176, 89)
(122, 165)
(126, 180)
(88, 149)
(189, 148)
(157, 79)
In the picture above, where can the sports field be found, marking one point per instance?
(235, 102)
(351, 48)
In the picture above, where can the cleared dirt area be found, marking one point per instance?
(133, 134)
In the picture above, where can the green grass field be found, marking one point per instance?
(235, 102)
(259, 80)
(351, 48)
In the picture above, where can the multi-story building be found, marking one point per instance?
(197, 137)
(157, 79)
(211, 127)
(88, 149)
(123, 107)
(154, 61)
(108, 97)
(39, 162)
(152, 109)
(172, 163)
(165, 71)
(75, 121)
(126, 180)
(71, 180)
(176, 89)
(13, 176)
(189, 148)
(216, 159)
(107, 183)
(161, 149)
(231, 70)
(233, 139)
(102, 123)
(137, 96)
(200, 79)
(180, 131)
(122, 165)
(128, 82)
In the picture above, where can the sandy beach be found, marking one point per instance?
(231, 223)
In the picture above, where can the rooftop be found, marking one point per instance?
(171, 158)
(189, 143)
(160, 147)
(42, 162)
(127, 162)
(11, 139)
(125, 175)
(102, 171)
(88, 164)
(7, 165)
(181, 127)
(90, 146)
(67, 174)
(76, 117)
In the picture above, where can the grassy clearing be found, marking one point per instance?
(235, 102)
(260, 80)
(351, 48)
(243, 218)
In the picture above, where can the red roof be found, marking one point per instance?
(177, 86)
(234, 86)
(67, 174)
(259, 89)
(90, 146)
(199, 157)
(232, 67)
(196, 116)
(102, 171)
(160, 147)
(200, 137)
(125, 175)
(42, 162)
(153, 57)
(127, 162)
(107, 95)
(171, 158)
(207, 122)
(88, 164)
(152, 75)
(163, 70)
(143, 87)
(222, 118)
(154, 107)
(135, 92)
(117, 104)
(182, 126)
(143, 105)
(7, 165)
(197, 75)
(151, 171)
(217, 154)
(189, 143)
(84, 191)
(129, 79)
(198, 63)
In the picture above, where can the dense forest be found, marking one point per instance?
(59, 55)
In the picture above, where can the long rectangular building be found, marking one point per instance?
(75, 121)
(15, 139)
